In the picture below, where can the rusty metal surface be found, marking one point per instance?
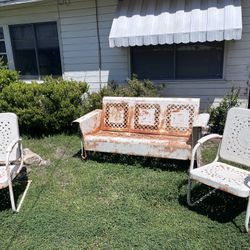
(90, 123)
(162, 146)
(170, 116)
(157, 127)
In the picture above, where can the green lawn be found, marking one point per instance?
(116, 202)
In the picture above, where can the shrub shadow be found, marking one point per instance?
(19, 185)
(145, 162)
(219, 206)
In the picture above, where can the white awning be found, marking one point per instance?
(14, 2)
(152, 22)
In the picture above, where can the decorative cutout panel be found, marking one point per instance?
(116, 115)
(236, 138)
(179, 118)
(5, 137)
(147, 117)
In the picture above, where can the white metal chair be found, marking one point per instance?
(235, 148)
(11, 155)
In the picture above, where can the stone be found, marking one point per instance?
(31, 158)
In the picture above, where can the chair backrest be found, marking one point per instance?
(169, 116)
(235, 144)
(9, 131)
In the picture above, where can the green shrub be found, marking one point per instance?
(135, 88)
(7, 76)
(132, 88)
(51, 106)
(45, 108)
(2, 65)
(218, 114)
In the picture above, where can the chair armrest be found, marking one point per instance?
(12, 145)
(90, 122)
(209, 137)
(10, 149)
(201, 121)
(199, 143)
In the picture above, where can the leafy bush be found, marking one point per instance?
(7, 76)
(132, 88)
(45, 108)
(218, 114)
(51, 106)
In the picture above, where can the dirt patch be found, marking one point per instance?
(61, 153)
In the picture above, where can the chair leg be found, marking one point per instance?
(247, 215)
(189, 189)
(23, 196)
(12, 198)
(83, 152)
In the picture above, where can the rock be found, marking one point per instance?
(31, 158)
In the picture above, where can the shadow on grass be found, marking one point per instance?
(145, 162)
(19, 185)
(220, 206)
(51, 172)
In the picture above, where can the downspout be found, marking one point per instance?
(248, 87)
(248, 106)
(99, 44)
(59, 31)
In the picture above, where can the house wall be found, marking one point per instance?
(79, 48)
(236, 72)
(78, 37)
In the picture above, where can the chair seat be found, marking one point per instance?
(224, 177)
(173, 147)
(3, 174)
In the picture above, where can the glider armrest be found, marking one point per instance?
(200, 126)
(202, 121)
(90, 122)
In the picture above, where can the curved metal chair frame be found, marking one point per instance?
(234, 147)
(11, 156)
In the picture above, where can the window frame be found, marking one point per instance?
(37, 77)
(174, 79)
(4, 40)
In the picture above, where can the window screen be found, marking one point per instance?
(199, 61)
(153, 62)
(178, 61)
(36, 49)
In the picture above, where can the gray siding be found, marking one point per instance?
(79, 48)
(78, 37)
(236, 71)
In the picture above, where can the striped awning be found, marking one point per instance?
(152, 22)
(13, 2)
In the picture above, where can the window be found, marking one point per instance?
(178, 61)
(3, 54)
(36, 49)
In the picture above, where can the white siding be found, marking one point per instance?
(79, 48)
